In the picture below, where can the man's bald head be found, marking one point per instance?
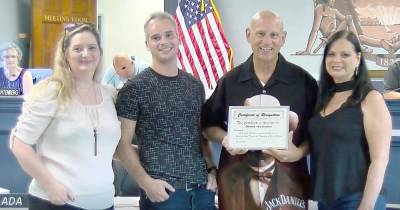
(123, 65)
(266, 15)
(266, 36)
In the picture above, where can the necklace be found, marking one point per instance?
(9, 74)
(93, 114)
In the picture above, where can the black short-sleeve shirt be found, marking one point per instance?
(289, 83)
(167, 114)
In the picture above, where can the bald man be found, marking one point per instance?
(124, 67)
(266, 71)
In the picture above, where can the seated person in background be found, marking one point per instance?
(14, 80)
(124, 67)
(392, 81)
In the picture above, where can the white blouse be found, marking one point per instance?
(65, 143)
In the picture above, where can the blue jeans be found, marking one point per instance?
(195, 199)
(351, 202)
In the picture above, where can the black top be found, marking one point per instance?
(339, 154)
(13, 87)
(167, 113)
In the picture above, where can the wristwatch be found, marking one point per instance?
(211, 169)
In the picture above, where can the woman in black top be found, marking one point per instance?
(350, 132)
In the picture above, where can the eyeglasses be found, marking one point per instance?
(9, 57)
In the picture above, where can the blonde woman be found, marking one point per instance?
(72, 120)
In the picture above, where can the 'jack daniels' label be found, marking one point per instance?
(9, 92)
(284, 200)
(258, 182)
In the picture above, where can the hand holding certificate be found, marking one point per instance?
(262, 124)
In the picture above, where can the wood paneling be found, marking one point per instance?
(48, 20)
(376, 74)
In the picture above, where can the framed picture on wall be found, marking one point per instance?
(377, 24)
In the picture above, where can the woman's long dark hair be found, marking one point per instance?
(326, 84)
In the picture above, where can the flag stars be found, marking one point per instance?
(192, 10)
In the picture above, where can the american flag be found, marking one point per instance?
(204, 51)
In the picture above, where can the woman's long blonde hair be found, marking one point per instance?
(62, 74)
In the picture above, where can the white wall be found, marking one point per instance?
(15, 19)
(122, 26)
(9, 25)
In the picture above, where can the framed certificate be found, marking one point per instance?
(258, 127)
